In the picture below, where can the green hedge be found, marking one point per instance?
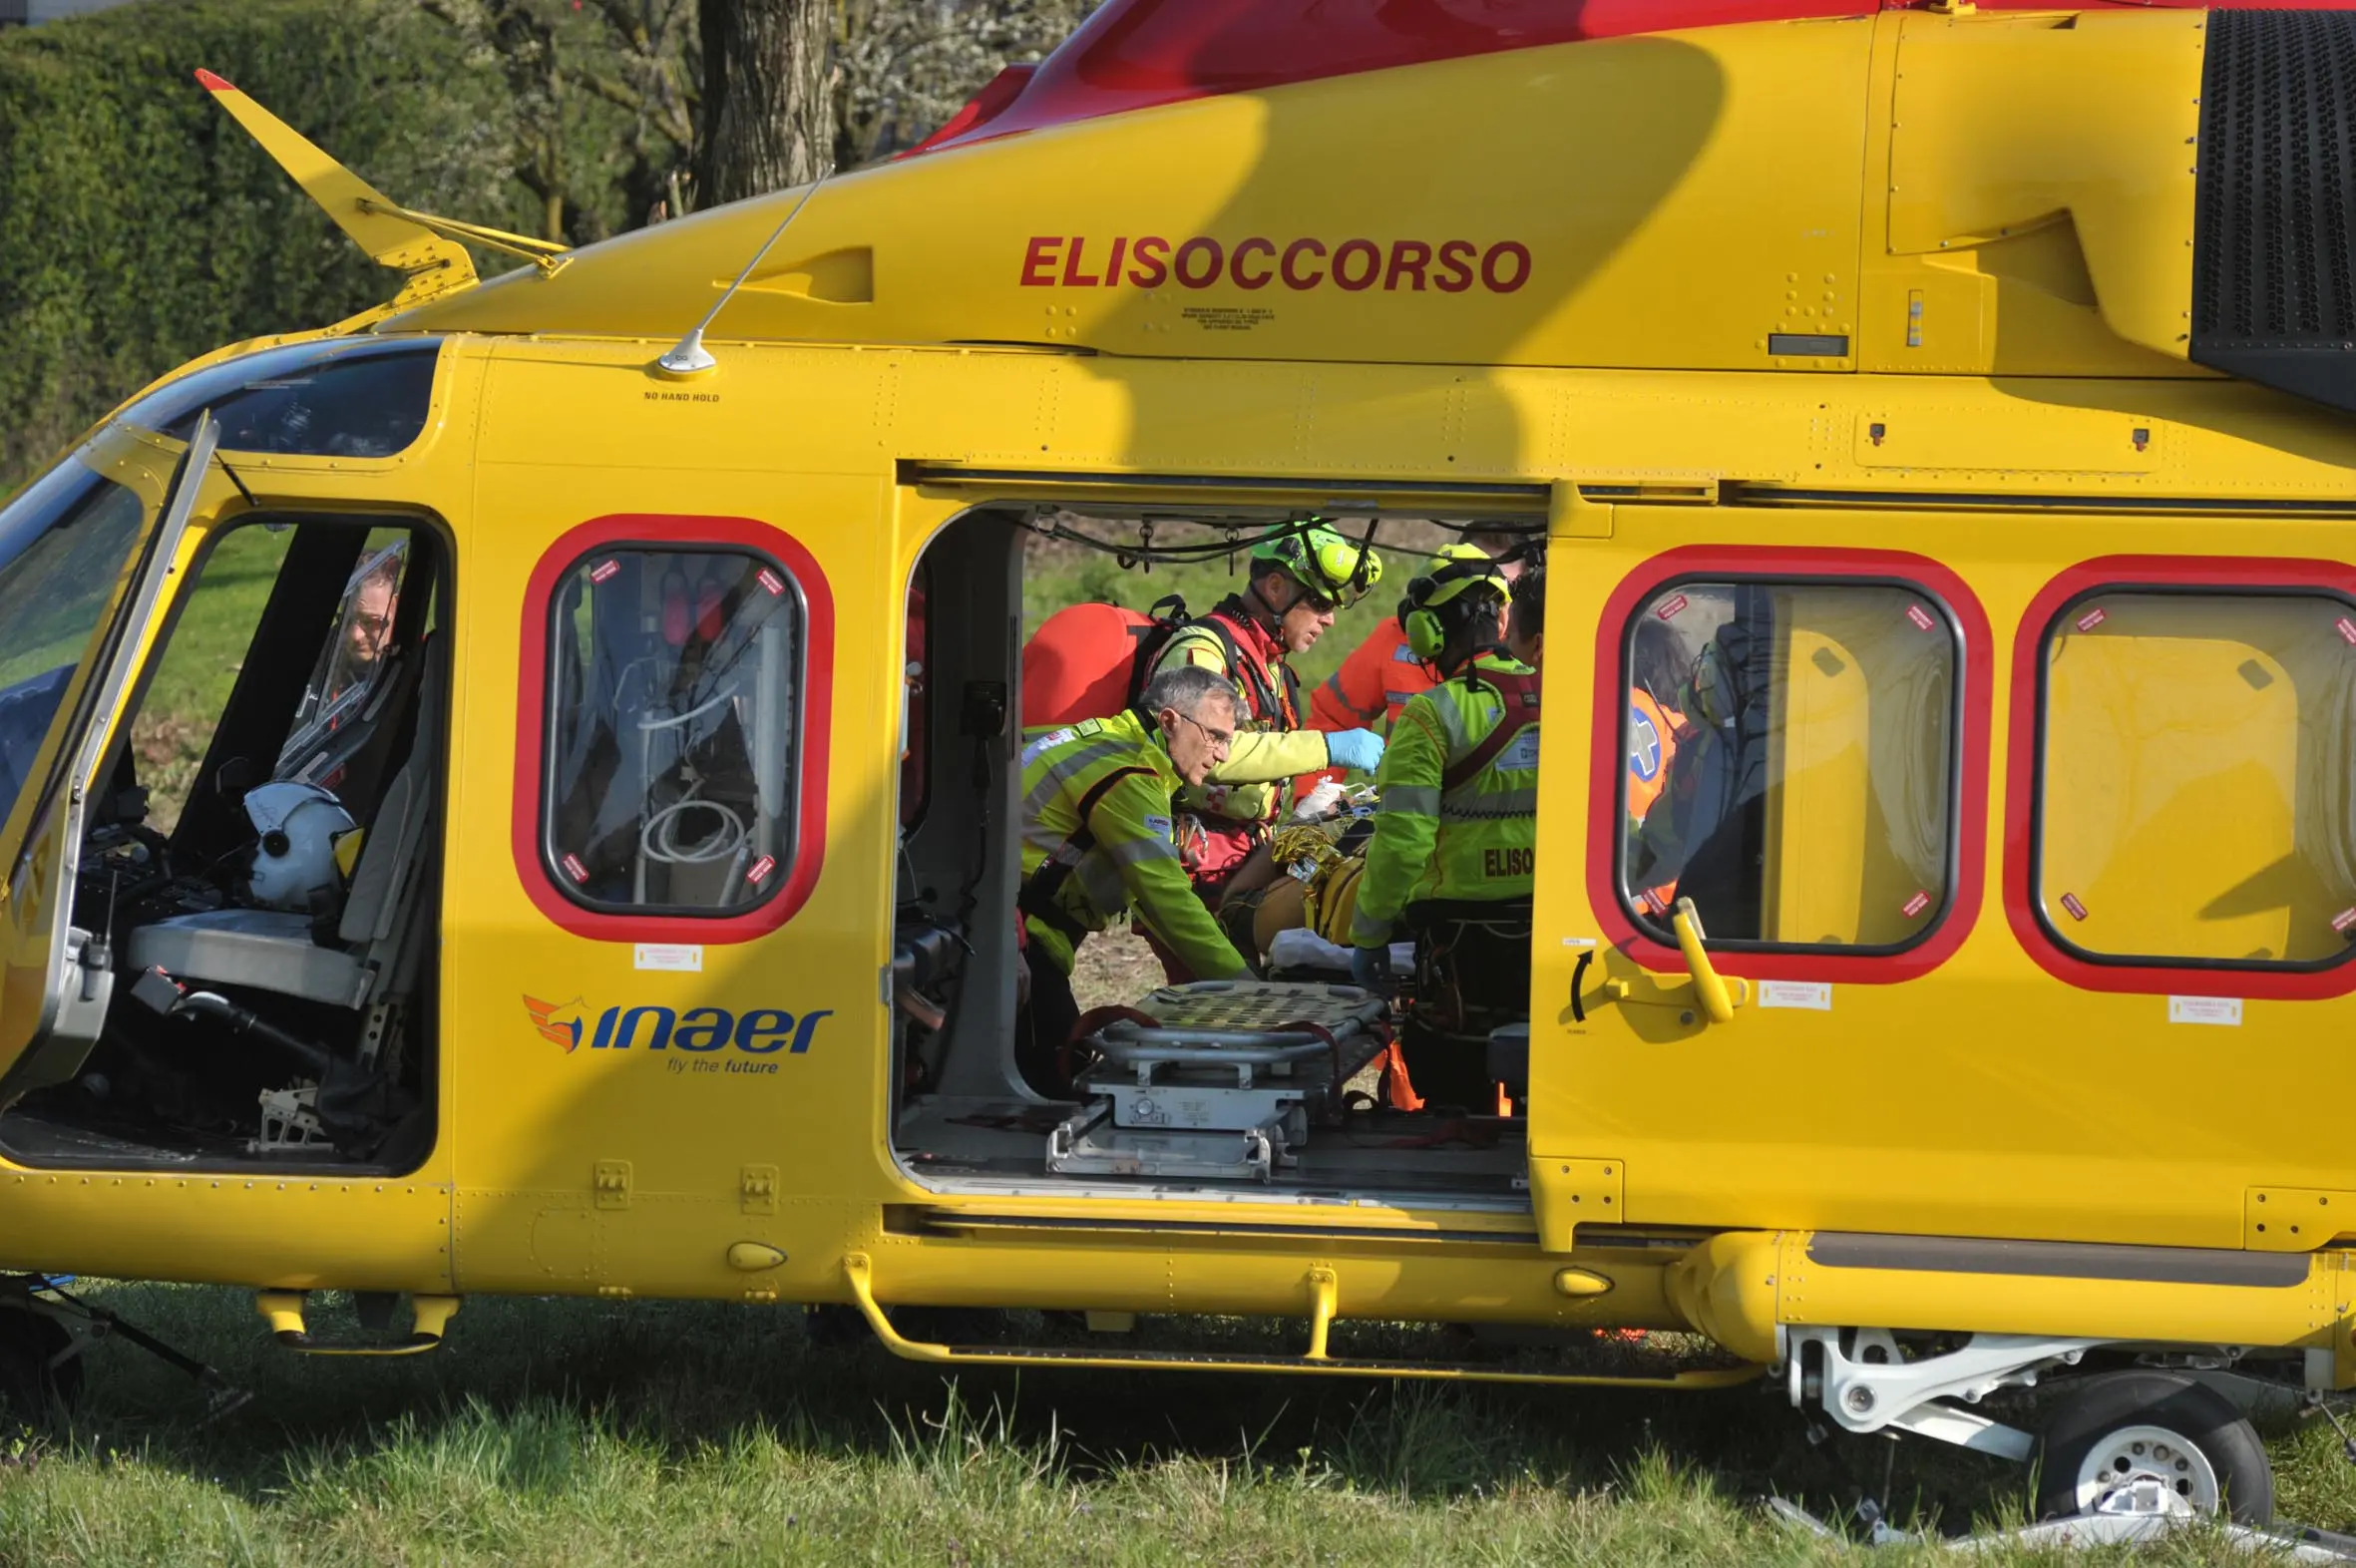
(139, 227)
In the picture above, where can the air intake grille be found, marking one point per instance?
(2274, 298)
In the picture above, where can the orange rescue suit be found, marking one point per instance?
(1374, 683)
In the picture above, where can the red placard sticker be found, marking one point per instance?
(1921, 617)
(2343, 920)
(1669, 610)
(772, 581)
(575, 869)
(604, 569)
(2347, 630)
(2076, 908)
(1916, 905)
(762, 869)
(2093, 619)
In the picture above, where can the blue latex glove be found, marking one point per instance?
(1370, 969)
(1360, 749)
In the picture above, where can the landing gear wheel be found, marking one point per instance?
(37, 1377)
(2177, 1438)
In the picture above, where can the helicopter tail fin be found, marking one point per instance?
(430, 265)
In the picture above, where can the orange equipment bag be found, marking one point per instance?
(1090, 660)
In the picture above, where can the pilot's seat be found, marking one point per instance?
(276, 951)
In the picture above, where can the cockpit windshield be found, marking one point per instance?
(64, 545)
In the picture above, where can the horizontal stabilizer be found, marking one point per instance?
(430, 265)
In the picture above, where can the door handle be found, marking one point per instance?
(1710, 993)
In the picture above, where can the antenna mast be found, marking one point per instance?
(688, 357)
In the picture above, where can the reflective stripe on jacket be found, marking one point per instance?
(1475, 842)
(1373, 683)
(1270, 748)
(1133, 864)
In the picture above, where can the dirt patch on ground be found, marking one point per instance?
(1115, 968)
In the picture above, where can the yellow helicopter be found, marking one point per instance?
(574, 895)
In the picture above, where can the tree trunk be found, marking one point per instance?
(767, 119)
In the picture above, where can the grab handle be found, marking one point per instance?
(1710, 992)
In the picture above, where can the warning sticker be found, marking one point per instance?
(2093, 619)
(1670, 610)
(1814, 996)
(2343, 920)
(1921, 617)
(2347, 630)
(1916, 905)
(2076, 908)
(604, 569)
(2205, 1010)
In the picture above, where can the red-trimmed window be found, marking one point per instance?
(1800, 736)
(2193, 821)
(675, 685)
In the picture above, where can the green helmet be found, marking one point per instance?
(1322, 559)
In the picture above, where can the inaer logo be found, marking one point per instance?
(1452, 266)
(566, 1031)
(764, 1031)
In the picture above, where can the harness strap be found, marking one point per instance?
(1264, 696)
(1517, 691)
(1037, 896)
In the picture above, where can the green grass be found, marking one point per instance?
(573, 1432)
(578, 1432)
(207, 647)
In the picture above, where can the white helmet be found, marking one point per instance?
(296, 827)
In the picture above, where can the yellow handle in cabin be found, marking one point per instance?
(1716, 1002)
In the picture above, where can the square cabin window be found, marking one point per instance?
(1790, 763)
(2197, 796)
(674, 732)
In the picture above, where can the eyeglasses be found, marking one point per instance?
(1221, 741)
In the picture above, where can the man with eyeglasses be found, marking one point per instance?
(366, 631)
(1099, 837)
(1301, 575)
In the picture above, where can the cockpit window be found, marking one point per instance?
(359, 399)
(63, 546)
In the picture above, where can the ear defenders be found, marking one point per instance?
(1425, 635)
(1420, 614)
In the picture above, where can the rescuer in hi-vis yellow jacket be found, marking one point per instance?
(1296, 583)
(1455, 845)
(1098, 838)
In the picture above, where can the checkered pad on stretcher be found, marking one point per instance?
(1257, 1004)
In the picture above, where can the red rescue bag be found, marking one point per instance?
(1090, 660)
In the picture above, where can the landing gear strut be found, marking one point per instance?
(41, 1357)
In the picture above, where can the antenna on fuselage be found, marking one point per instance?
(688, 357)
